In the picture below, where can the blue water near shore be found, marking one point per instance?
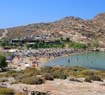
(93, 60)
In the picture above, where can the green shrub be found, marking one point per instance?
(6, 91)
(94, 78)
(60, 76)
(48, 76)
(31, 71)
(28, 81)
(87, 80)
(3, 62)
(47, 69)
(39, 93)
(32, 80)
(39, 80)
(77, 45)
(74, 79)
(87, 73)
(55, 72)
(12, 74)
(19, 93)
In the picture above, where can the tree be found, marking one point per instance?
(67, 39)
(4, 43)
(3, 62)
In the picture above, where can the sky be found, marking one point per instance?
(22, 12)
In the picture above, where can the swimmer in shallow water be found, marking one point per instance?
(68, 60)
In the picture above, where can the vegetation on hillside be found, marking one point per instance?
(3, 62)
(60, 43)
(8, 91)
(34, 76)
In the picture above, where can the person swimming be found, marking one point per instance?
(68, 60)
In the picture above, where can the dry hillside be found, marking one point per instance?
(75, 28)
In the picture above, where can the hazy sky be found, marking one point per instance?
(23, 12)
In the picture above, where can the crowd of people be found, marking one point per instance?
(31, 58)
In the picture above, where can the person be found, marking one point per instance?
(68, 60)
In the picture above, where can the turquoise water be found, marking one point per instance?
(94, 60)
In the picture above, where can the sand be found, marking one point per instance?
(65, 87)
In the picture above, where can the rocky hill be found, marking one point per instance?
(77, 29)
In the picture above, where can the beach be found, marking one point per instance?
(36, 58)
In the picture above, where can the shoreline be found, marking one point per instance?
(39, 58)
